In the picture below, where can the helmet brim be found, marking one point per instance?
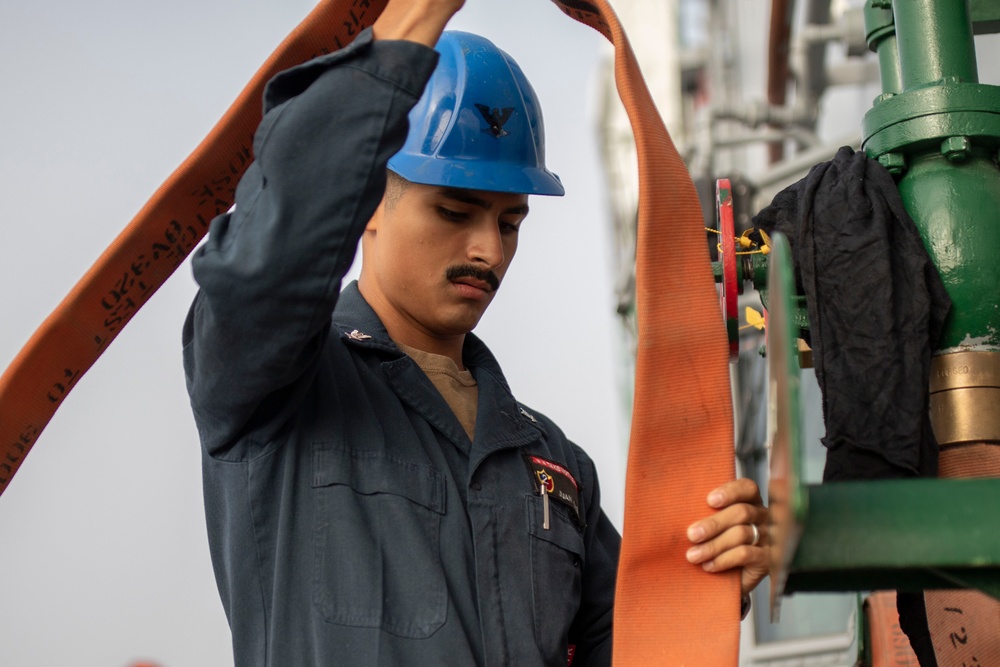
(495, 177)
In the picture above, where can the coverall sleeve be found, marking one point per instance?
(271, 270)
(592, 628)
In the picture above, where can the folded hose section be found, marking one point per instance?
(667, 611)
(153, 244)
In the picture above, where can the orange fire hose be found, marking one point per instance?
(667, 611)
(153, 244)
(889, 646)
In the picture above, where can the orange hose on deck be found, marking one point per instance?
(889, 645)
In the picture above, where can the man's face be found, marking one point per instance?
(434, 258)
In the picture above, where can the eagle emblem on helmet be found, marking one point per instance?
(496, 118)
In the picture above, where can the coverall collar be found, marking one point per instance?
(501, 423)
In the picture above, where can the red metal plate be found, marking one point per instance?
(727, 255)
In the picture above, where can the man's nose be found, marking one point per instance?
(486, 246)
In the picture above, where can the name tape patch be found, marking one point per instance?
(559, 482)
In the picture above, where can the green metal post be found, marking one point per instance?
(935, 42)
(940, 136)
(881, 34)
(888, 62)
(956, 208)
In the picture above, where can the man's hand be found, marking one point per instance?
(420, 21)
(726, 539)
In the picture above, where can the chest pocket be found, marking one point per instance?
(556, 572)
(377, 541)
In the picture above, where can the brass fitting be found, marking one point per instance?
(965, 397)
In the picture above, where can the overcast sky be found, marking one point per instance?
(103, 555)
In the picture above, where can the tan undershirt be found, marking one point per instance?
(458, 388)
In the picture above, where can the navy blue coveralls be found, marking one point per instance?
(351, 520)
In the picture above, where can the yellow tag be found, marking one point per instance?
(754, 319)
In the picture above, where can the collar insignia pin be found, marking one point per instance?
(357, 335)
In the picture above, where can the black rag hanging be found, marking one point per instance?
(876, 311)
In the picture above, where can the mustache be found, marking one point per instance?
(470, 271)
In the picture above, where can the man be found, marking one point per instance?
(374, 493)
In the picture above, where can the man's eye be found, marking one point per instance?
(455, 216)
(509, 227)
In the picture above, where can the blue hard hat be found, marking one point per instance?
(478, 125)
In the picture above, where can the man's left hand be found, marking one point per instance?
(727, 539)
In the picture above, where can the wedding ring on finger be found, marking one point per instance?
(756, 535)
